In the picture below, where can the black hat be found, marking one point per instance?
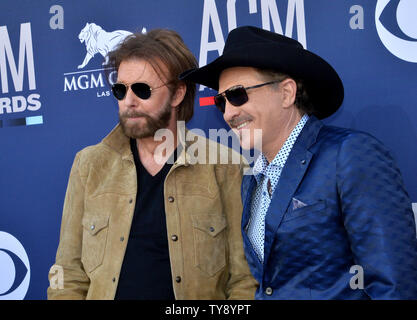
(249, 46)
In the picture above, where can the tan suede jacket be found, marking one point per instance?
(203, 209)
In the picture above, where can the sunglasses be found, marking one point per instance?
(236, 95)
(140, 89)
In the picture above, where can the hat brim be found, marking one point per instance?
(321, 81)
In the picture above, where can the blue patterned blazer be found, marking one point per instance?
(340, 203)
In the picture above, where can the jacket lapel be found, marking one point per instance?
(291, 176)
(248, 185)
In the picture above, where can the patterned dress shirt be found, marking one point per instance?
(267, 176)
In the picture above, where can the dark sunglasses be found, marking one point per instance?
(236, 95)
(140, 89)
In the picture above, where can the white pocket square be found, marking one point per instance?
(297, 204)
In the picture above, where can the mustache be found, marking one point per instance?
(234, 122)
(133, 114)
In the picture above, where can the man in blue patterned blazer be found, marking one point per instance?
(326, 215)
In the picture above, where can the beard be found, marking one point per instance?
(151, 125)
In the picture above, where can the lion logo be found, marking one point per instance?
(100, 41)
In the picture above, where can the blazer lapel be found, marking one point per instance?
(291, 176)
(248, 185)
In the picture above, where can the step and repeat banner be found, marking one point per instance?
(55, 100)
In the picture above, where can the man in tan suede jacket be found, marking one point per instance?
(139, 223)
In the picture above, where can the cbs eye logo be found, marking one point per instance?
(396, 24)
(14, 268)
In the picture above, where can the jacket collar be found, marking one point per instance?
(308, 135)
(119, 142)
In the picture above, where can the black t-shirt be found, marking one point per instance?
(146, 270)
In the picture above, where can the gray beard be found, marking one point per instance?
(152, 124)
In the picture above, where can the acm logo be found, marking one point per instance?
(14, 268)
(15, 99)
(267, 10)
(399, 33)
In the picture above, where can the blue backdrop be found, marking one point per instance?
(52, 104)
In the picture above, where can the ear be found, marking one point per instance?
(288, 88)
(179, 94)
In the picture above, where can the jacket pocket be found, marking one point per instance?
(210, 242)
(95, 231)
(317, 207)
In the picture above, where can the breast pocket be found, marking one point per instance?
(313, 209)
(210, 242)
(95, 231)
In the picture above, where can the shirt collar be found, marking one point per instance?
(261, 164)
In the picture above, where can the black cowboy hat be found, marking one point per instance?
(249, 46)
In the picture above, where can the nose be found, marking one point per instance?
(230, 112)
(130, 100)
